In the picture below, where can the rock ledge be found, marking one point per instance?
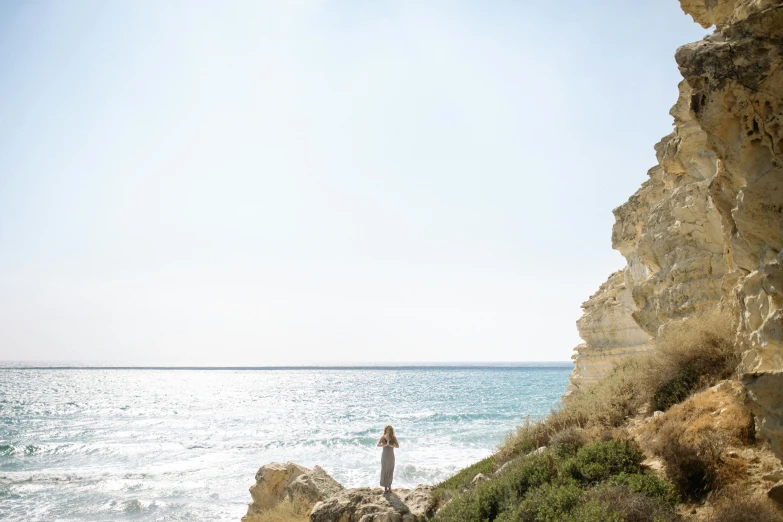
(372, 505)
(331, 502)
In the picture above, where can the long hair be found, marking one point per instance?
(392, 438)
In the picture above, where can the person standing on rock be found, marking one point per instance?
(388, 442)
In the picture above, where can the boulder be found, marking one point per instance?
(480, 477)
(372, 505)
(503, 468)
(538, 451)
(277, 481)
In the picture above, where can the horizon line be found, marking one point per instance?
(4, 365)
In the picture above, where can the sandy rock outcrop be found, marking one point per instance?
(609, 332)
(706, 229)
(331, 502)
(372, 505)
(277, 482)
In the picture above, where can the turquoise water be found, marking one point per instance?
(184, 445)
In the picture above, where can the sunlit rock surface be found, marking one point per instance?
(609, 332)
(278, 482)
(372, 505)
(329, 501)
(706, 229)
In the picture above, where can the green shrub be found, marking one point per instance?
(460, 509)
(600, 460)
(484, 502)
(488, 499)
(463, 478)
(594, 511)
(547, 503)
(550, 486)
(532, 472)
(649, 485)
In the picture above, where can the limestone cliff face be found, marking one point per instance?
(706, 229)
(737, 99)
(609, 332)
(670, 231)
(671, 235)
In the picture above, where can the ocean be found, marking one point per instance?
(184, 444)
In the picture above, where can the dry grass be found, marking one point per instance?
(570, 440)
(692, 438)
(286, 511)
(600, 408)
(690, 355)
(738, 506)
(527, 437)
(715, 410)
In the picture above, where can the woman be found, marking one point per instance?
(388, 442)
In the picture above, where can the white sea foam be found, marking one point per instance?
(185, 445)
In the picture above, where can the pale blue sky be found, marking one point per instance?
(319, 181)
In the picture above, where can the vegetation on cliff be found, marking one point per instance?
(691, 355)
(596, 482)
(590, 459)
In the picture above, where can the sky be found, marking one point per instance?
(319, 182)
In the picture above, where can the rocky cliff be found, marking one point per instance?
(609, 331)
(706, 229)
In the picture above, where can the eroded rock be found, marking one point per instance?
(480, 477)
(372, 505)
(609, 331)
(277, 482)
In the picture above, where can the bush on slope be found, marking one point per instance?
(599, 481)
